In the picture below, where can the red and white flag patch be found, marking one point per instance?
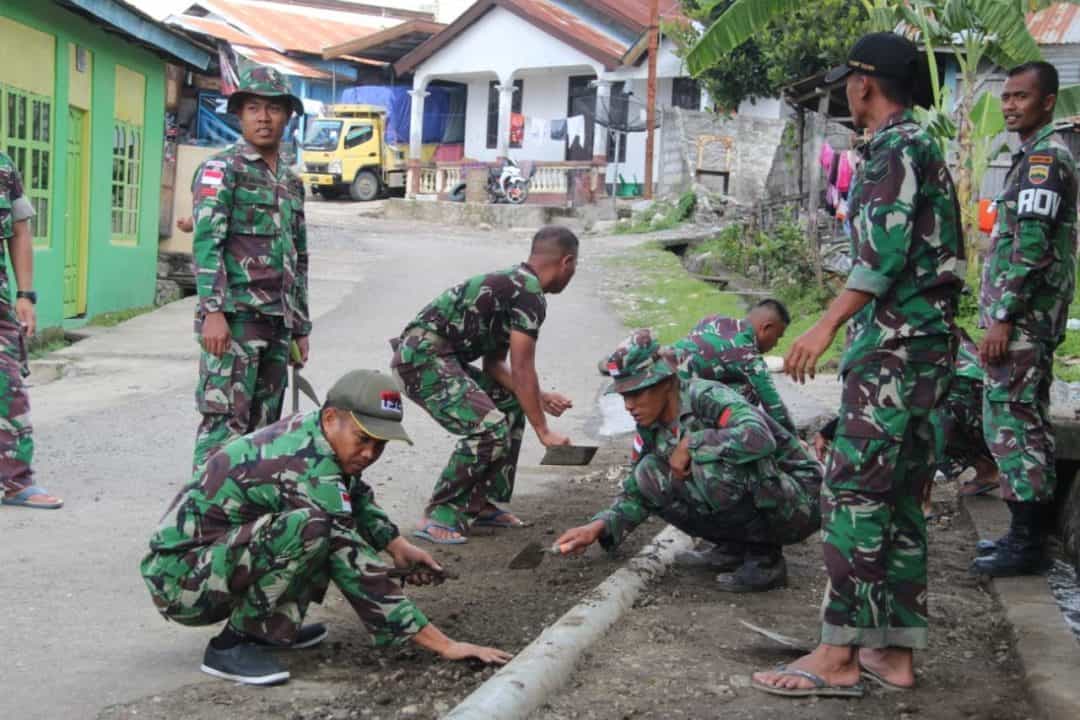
(613, 369)
(639, 447)
(346, 502)
(212, 176)
(391, 401)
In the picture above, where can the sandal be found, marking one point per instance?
(500, 519)
(880, 680)
(970, 488)
(820, 689)
(425, 533)
(22, 499)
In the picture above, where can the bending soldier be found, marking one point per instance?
(713, 466)
(485, 317)
(278, 515)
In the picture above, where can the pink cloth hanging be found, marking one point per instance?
(843, 175)
(826, 157)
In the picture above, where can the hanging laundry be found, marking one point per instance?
(844, 173)
(575, 129)
(558, 129)
(826, 157)
(535, 128)
(517, 129)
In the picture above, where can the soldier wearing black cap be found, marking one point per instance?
(901, 299)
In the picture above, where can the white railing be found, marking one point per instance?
(449, 178)
(551, 180)
(428, 181)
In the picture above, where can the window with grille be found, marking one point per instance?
(126, 169)
(26, 136)
(686, 93)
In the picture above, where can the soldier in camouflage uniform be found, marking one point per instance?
(710, 464)
(901, 298)
(251, 266)
(278, 515)
(730, 351)
(485, 317)
(1027, 285)
(17, 323)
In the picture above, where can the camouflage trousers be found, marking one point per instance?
(958, 428)
(16, 434)
(752, 503)
(242, 390)
(263, 575)
(1016, 420)
(874, 531)
(469, 403)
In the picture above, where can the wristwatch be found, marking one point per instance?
(28, 294)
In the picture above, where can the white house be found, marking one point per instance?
(540, 61)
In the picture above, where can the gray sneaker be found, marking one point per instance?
(754, 576)
(244, 663)
(721, 557)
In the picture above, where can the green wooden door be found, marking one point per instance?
(75, 217)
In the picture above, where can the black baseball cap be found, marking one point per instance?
(884, 54)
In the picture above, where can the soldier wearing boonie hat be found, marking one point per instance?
(274, 518)
(710, 464)
(251, 268)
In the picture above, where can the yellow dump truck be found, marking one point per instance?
(346, 152)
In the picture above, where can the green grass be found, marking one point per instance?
(671, 215)
(111, 319)
(40, 349)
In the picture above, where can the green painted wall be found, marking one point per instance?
(118, 276)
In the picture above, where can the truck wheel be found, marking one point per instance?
(365, 187)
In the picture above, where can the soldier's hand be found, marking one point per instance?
(802, 359)
(575, 540)
(550, 438)
(555, 403)
(680, 459)
(215, 334)
(24, 311)
(185, 224)
(821, 446)
(994, 347)
(406, 555)
(303, 346)
(489, 655)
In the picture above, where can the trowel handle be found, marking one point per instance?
(294, 352)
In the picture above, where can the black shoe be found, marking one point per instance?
(307, 636)
(988, 547)
(1020, 552)
(754, 575)
(721, 557)
(244, 663)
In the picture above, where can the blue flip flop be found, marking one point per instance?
(22, 499)
(423, 533)
(491, 519)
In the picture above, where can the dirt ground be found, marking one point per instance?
(681, 652)
(346, 678)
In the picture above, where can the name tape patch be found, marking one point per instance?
(1038, 201)
(391, 401)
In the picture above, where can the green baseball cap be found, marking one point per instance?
(639, 362)
(374, 401)
(266, 82)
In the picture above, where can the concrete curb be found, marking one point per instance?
(1048, 651)
(547, 663)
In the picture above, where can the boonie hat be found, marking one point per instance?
(374, 400)
(639, 362)
(884, 54)
(267, 82)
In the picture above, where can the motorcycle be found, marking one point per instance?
(506, 183)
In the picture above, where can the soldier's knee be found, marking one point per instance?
(651, 474)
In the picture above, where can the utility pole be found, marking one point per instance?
(650, 111)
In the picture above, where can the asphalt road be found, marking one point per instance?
(114, 438)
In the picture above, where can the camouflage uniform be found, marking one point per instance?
(264, 528)
(958, 421)
(750, 482)
(725, 350)
(909, 255)
(432, 360)
(1028, 280)
(251, 262)
(16, 439)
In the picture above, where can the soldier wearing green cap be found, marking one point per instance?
(251, 268)
(710, 464)
(273, 518)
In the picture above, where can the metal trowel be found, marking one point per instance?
(569, 455)
(299, 383)
(533, 554)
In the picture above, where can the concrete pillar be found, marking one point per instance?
(416, 134)
(506, 105)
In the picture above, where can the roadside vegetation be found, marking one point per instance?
(660, 215)
(111, 319)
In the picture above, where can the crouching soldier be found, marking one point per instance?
(713, 466)
(273, 518)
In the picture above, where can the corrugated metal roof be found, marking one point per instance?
(214, 28)
(294, 28)
(570, 25)
(287, 65)
(1058, 24)
(637, 11)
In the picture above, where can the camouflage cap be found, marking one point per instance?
(639, 362)
(374, 401)
(267, 82)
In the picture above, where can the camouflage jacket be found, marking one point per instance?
(1030, 272)
(725, 350)
(724, 429)
(285, 466)
(250, 242)
(477, 316)
(907, 246)
(14, 207)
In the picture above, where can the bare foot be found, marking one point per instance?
(895, 665)
(835, 664)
